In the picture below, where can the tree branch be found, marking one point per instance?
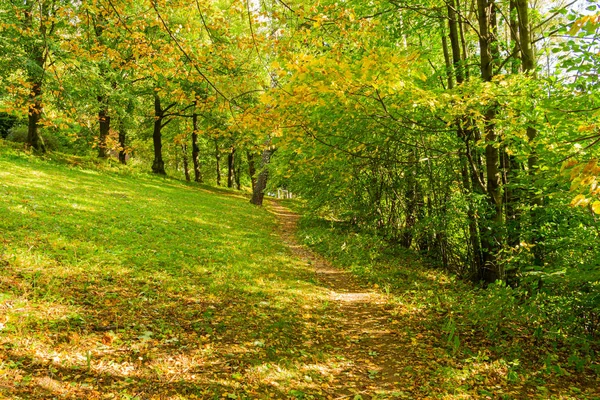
(210, 35)
(178, 113)
(187, 56)
(119, 16)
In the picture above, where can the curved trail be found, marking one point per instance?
(383, 358)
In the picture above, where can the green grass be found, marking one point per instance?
(124, 284)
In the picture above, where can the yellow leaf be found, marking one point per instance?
(577, 200)
(596, 207)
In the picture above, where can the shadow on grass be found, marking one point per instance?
(140, 280)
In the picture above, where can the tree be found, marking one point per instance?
(35, 26)
(258, 192)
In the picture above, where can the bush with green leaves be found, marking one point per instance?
(18, 134)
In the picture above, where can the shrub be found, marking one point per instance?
(18, 134)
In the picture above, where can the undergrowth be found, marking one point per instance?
(537, 334)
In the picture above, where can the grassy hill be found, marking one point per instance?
(129, 285)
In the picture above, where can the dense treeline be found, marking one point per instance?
(463, 129)
(132, 79)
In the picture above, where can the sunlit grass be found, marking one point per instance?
(120, 283)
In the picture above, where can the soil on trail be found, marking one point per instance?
(384, 351)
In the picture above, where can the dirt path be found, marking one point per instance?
(382, 350)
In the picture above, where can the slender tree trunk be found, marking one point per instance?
(485, 39)
(439, 199)
(34, 139)
(186, 169)
(493, 173)
(122, 143)
(449, 69)
(527, 58)
(104, 121)
(493, 35)
(251, 169)
(454, 43)
(258, 194)
(476, 260)
(231, 168)
(481, 225)
(103, 112)
(412, 197)
(528, 66)
(487, 48)
(35, 76)
(463, 42)
(218, 159)
(158, 166)
(411, 219)
(196, 149)
(441, 236)
(456, 36)
(427, 240)
(238, 172)
(509, 163)
(514, 36)
(175, 154)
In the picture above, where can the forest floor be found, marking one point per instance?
(121, 285)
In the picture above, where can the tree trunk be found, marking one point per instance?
(103, 113)
(485, 39)
(231, 168)
(158, 166)
(514, 36)
(476, 260)
(218, 159)
(528, 66)
(510, 166)
(454, 43)
(258, 194)
(238, 172)
(411, 197)
(122, 143)
(34, 139)
(527, 58)
(251, 169)
(456, 35)
(35, 76)
(491, 240)
(463, 42)
(104, 121)
(493, 35)
(477, 182)
(196, 149)
(186, 168)
(449, 69)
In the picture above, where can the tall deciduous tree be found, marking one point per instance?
(34, 27)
